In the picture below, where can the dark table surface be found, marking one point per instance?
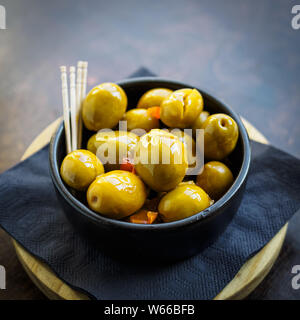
(245, 52)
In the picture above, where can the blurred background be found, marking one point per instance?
(244, 52)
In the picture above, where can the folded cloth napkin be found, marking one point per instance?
(31, 214)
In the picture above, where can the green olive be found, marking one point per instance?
(116, 194)
(216, 178)
(141, 119)
(104, 106)
(112, 147)
(182, 202)
(80, 168)
(153, 98)
(220, 136)
(160, 160)
(181, 108)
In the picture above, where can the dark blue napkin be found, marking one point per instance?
(31, 214)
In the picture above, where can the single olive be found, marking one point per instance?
(80, 168)
(104, 106)
(160, 160)
(116, 194)
(198, 123)
(216, 178)
(153, 97)
(112, 147)
(181, 108)
(220, 136)
(141, 119)
(182, 202)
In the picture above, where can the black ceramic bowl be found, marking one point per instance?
(167, 241)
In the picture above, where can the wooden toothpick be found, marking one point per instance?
(66, 109)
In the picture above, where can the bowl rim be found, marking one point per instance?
(204, 215)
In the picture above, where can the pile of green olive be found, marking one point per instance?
(143, 191)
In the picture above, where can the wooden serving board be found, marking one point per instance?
(245, 281)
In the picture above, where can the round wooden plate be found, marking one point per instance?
(245, 281)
